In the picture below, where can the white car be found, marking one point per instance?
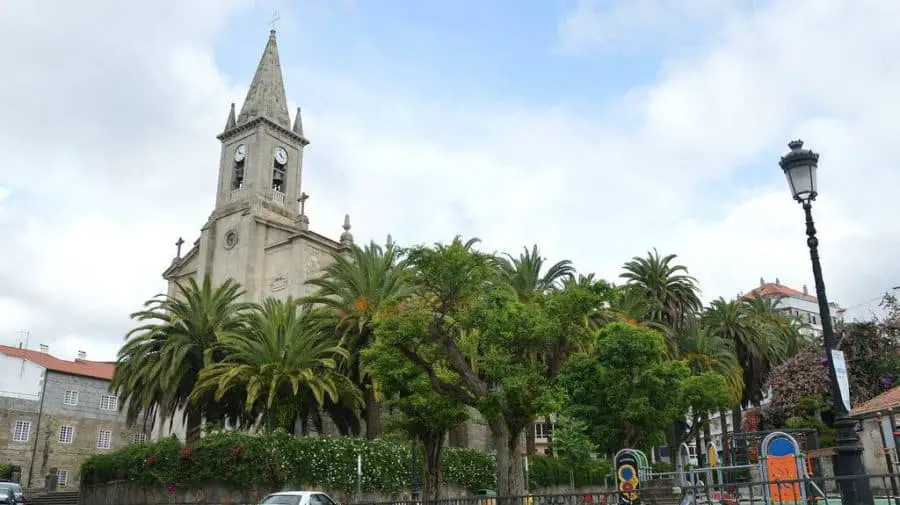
(298, 498)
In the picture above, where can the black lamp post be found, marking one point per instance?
(800, 166)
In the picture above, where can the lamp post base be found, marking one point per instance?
(854, 486)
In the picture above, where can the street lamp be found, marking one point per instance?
(799, 167)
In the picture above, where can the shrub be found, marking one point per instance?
(242, 461)
(545, 472)
(473, 470)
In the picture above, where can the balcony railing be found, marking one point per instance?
(237, 194)
(277, 197)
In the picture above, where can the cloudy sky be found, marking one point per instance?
(597, 129)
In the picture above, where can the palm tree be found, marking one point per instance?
(178, 336)
(282, 364)
(526, 275)
(734, 321)
(528, 280)
(354, 288)
(671, 296)
(705, 351)
(783, 328)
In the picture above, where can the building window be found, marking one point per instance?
(71, 397)
(109, 402)
(139, 438)
(21, 431)
(104, 437)
(62, 478)
(543, 431)
(66, 434)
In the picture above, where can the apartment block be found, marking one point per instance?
(54, 413)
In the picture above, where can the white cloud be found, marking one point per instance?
(121, 161)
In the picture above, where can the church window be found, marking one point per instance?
(237, 181)
(278, 171)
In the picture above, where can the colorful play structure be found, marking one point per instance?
(780, 462)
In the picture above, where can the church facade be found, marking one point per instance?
(258, 233)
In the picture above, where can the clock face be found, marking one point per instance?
(240, 153)
(280, 155)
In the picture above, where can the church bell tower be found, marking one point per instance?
(262, 153)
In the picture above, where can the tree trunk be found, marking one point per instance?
(726, 447)
(707, 437)
(433, 445)
(736, 419)
(672, 440)
(194, 424)
(510, 472)
(701, 454)
(373, 413)
(547, 422)
(530, 436)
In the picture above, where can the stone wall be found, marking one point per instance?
(129, 493)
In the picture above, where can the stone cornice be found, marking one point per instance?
(253, 123)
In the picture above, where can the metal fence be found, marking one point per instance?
(807, 491)
(662, 491)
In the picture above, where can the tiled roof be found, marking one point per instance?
(84, 368)
(884, 401)
(770, 289)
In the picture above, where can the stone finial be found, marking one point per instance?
(302, 219)
(303, 222)
(805, 290)
(346, 237)
(762, 282)
(231, 121)
(298, 123)
(777, 281)
(390, 241)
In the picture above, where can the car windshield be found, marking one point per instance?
(281, 499)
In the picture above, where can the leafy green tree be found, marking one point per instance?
(354, 288)
(529, 280)
(177, 337)
(626, 390)
(281, 364)
(479, 344)
(573, 445)
(421, 413)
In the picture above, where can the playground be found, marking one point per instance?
(764, 468)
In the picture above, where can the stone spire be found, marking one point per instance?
(230, 122)
(266, 97)
(346, 237)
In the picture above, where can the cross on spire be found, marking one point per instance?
(274, 22)
(178, 244)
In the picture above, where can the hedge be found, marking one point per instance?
(241, 461)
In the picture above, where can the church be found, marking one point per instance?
(258, 233)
